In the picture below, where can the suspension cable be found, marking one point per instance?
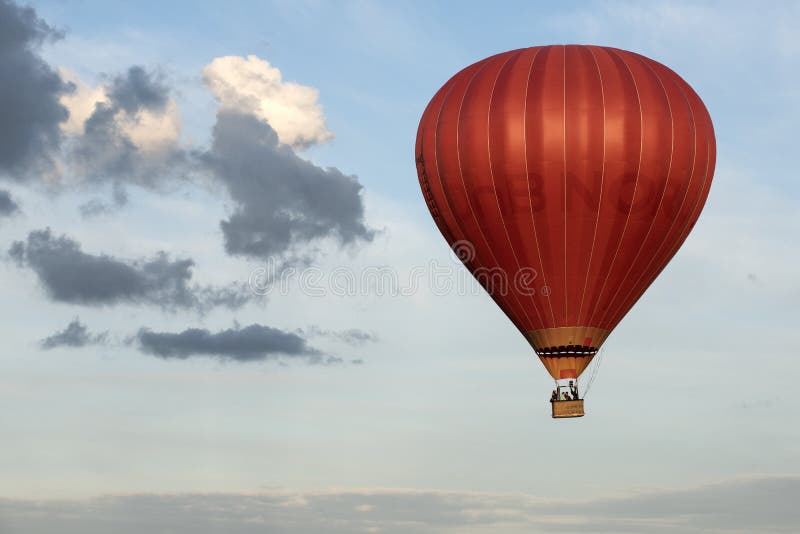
(598, 360)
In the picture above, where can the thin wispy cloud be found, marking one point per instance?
(738, 506)
(75, 335)
(352, 336)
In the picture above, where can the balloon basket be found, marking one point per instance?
(567, 408)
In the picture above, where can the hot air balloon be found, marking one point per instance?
(575, 172)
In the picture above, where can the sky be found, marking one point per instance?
(197, 200)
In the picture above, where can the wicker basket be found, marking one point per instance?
(567, 408)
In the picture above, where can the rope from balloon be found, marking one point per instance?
(595, 368)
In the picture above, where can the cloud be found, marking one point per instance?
(756, 504)
(70, 275)
(74, 335)
(127, 129)
(252, 86)
(29, 95)
(95, 206)
(137, 90)
(80, 102)
(8, 206)
(282, 201)
(251, 343)
(352, 336)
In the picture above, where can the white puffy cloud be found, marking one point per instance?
(251, 85)
(151, 131)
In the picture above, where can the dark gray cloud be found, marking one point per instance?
(30, 111)
(764, 505)
(138, 89)
(76, 334)
(251, 343)
(282, 201)
(105, 152)
(352, 336)
(68, 274)
(8, 206)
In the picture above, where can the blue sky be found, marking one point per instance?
(444, 427)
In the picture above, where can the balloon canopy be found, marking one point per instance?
(565, 178)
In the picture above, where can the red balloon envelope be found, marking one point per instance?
(565, 178)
